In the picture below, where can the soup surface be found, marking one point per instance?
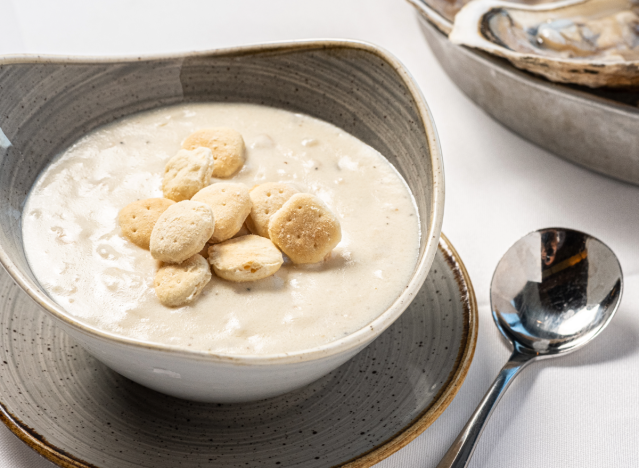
(78, 254)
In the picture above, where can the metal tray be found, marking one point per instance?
(597, 129)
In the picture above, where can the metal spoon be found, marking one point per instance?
(552, 292)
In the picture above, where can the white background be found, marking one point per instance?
(581, 410)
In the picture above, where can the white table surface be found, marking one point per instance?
(581, 410)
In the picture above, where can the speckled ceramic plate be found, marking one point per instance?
(78, 413)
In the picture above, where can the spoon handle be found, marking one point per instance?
(462, 449)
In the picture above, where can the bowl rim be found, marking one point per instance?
(350, 342)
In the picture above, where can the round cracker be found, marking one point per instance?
(138, 218)
(247, 258)
(226, 144)
(182, 231)
(267, 199)
(305, 229)
(231, 205)
(178, 285)
(186, 173)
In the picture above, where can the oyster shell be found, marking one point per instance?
(593, 42)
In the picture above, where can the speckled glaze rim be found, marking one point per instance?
(402, 438)
(345, 344)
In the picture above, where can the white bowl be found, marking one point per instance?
(48, 103)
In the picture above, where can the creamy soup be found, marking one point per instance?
(78, 254)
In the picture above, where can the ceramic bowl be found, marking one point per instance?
(48, 103)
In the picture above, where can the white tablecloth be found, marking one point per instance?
(581, 410)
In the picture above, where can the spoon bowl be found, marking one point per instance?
(552, 292)
(555, 290)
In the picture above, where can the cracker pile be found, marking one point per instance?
(240, 233)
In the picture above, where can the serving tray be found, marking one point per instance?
(597, 129)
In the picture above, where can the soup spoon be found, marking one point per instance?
(552, 292)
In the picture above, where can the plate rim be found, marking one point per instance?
(367, 459)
